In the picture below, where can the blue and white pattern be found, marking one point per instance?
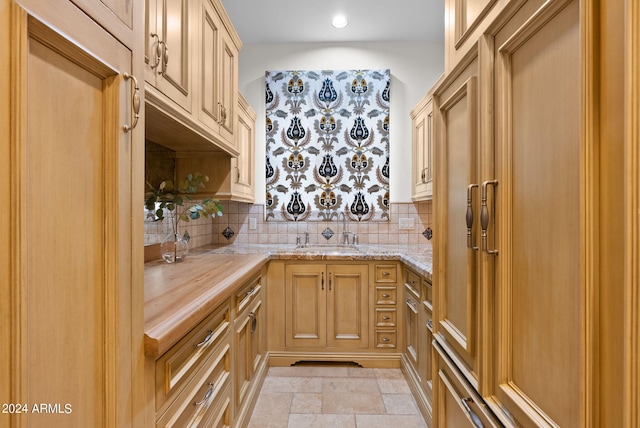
(327, 144)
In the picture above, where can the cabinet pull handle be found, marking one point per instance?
(385, 273)
(474, 418)
(423, 175)
(385, 339)
(484, 217)
(252, 291)
(158, 51)
(254, 322)
(223, 113)
(385, 318)
(207, 395)
(165, 58)
(135, 102)
(412, 306)
(238, 174)
(207, 338)
(470, 216)
(330, 280)
(430, 324)
(323, 280)
(386, 296)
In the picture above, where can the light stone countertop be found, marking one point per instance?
(178, 296)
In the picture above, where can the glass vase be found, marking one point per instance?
(174, 248)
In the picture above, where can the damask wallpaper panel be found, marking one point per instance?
(327, 144)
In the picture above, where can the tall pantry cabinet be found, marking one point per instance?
(70, 255)
(528, 310)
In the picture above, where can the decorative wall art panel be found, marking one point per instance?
(327, 144)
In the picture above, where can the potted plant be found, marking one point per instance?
(178, 200)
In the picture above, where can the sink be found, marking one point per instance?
(325, 248)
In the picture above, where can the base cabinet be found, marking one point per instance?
(211, 377)
(327, 306)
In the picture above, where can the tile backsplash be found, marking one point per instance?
(238, 217)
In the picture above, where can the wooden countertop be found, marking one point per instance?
(178, 296)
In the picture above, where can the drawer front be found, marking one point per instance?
(247, 294)
(386, 295)
(220, 416)
(176, 366)
(458, 403)
(211, 386)
(386, 338)
(386, 273)
(386, 317)
(412, 282)
(427, 294)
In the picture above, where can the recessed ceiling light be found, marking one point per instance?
(339, 21)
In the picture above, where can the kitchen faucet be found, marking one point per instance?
(345, 232)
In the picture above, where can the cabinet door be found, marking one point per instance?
(248, 350)
(210, 29)
(168, 52)
(457, 306)
(228, 81)
(538, 279)
(74, 309)
(305, 305)
(411, 328)
(348, 306)
(422, 136)
(242, 166)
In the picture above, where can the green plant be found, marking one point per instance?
(178, 201)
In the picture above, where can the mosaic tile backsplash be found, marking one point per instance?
(327, 144)
(238, 217)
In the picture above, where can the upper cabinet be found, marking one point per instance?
(217, 75)
(167, 54)
(422, 132)
(191, 56)
(465, 22)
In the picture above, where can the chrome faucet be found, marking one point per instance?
(345, 232)
(306, 238)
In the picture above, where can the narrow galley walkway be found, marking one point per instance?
(321, 395)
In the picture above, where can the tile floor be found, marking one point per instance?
(335, 396)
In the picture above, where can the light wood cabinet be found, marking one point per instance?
(217, 74)
(230, 178)
(168, 50)
(212, 375)
(522, 298)
(422, 130)
(249, 338)
(458, 404)
(72, 329)
(457, 305)
(327, 306)
(192, 75)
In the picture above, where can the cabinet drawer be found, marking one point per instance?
(386, 317)
(412, 282)
(427, 294)
(459, 402)
(386, 273)
(176, 366)
(247, 294)
(386, 295)
(211, 386)
(386, 338)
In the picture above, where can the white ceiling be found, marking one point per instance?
(309, 21)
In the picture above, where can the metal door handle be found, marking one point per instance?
(207, 395)
(485, 217)
(135, 102)
(474, 418)
(470, 216)
(206, 340)
(254, 322)
(323, 280)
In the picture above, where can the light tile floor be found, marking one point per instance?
(335, 396)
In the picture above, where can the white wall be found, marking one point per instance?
(414, 68)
